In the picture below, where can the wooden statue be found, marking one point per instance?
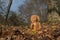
(35, 24)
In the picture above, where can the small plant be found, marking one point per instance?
(33, 32)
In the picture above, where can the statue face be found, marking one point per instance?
(35, 18)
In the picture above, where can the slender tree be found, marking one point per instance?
(8, 9)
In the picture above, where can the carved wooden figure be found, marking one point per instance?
(35, 24)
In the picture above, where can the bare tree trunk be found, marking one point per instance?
(8, 9)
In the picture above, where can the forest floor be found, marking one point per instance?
(48, 32)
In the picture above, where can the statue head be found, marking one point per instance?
(35, 18)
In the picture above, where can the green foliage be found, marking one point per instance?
(58, 6)
(53, 17)
(15, 19)
(33, 32)
(1, 19)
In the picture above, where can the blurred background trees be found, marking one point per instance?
(46, 9)
(31, 7)
(43, 8)
(53, 11)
